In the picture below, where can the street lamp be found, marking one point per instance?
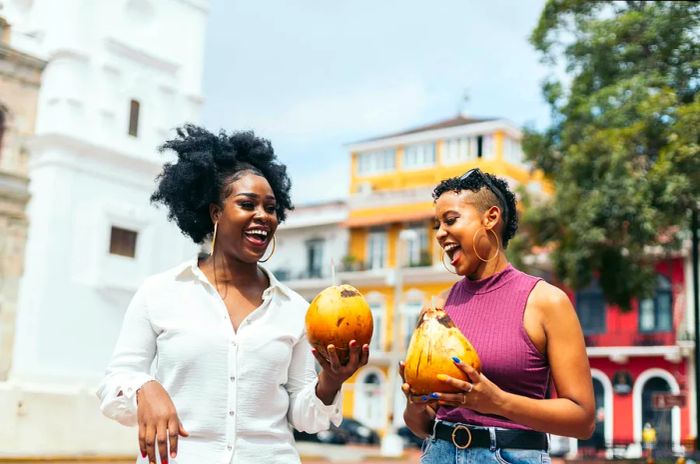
(392, 444)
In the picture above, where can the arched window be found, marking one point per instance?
(591, 309)
(656, 313)
(598, 440)
(370, 404)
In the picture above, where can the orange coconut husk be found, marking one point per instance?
(336, 316)
(434, 343)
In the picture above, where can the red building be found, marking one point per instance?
(642, 363)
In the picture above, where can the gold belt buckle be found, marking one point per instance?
(454, 436)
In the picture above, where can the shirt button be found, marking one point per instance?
(233, 342)
(232, 378)
(231, 413)
(229, 447)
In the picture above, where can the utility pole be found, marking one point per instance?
(392, 444)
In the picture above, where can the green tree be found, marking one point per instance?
(623, 147)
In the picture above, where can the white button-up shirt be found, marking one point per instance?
(236, 392)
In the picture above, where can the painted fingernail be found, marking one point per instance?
(434, 395)
(442, 377)
(424, 398)
(143, 455)
(173, 454)
(456, 359)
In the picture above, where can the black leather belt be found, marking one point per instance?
(465, 436)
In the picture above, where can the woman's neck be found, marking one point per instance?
(231, 271)
(489, 268)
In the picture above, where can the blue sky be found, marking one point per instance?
(314, 75)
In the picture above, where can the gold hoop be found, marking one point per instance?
(442, 260)
(498, 245)
(273, 252)
(213, 239)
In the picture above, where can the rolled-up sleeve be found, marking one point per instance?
(307, 413)
(130, 366)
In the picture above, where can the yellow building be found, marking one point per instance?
(390, 218)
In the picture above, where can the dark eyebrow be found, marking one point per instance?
(254, 196)
(448, 212)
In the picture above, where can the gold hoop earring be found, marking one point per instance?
(273, 252)
(442, 260)
(498, 245)
(213, 238)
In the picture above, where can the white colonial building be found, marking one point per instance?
(312, 237)
(121, 74)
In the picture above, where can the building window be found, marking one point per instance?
(591, 310)
(377, 308)
(134, 108)
(487, 149)
(376, 162)
(376, 249)
(459, 150)
(411, 310)
(122, 242)
(513, 152)
(655, 314)
(417, 247)
(2, 125)
(314, 258)
(419, 156)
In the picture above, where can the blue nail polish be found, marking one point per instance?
(434, 395)
(456, 359)
(424, 398)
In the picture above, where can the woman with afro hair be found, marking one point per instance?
(212, 362)
(525, 331)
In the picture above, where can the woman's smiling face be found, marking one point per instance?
(248, 219)
(457, 221)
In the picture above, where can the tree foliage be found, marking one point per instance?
(622, 150)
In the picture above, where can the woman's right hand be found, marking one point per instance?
(420, 410)
(158, 422)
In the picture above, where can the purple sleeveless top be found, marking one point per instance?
(489, 312)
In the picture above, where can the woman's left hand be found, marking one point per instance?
(333, 373)
(478, 393)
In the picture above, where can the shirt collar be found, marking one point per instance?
(191, 268)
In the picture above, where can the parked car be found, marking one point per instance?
(332, 436)
(409, 438)
(358, 432)
(350, 431)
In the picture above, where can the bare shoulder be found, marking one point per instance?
(550, 300)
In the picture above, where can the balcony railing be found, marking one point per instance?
(630, 339)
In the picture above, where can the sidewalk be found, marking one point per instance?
(317, 453)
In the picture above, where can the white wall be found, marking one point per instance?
(87, 174)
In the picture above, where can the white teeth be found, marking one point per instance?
(262, 233)
(451, 247)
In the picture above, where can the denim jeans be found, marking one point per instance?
(445, 452)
